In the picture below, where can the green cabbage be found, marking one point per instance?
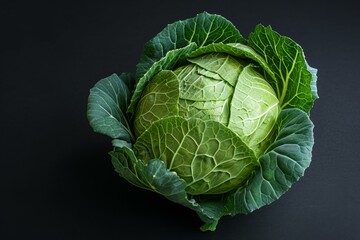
(212, 121)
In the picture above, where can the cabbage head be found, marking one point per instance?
(212, 121)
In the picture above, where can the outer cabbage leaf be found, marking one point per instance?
(202, 30)
(127, 165)
(155, 177)
(294, 80)
(107, 105)
(282, 165)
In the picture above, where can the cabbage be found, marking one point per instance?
(212, 121)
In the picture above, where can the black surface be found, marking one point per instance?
(56, 179)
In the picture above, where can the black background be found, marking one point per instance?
(57, 181)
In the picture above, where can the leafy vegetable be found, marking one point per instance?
(212, 121)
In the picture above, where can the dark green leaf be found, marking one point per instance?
(107, 105)
(129, 80)
(294, 81)
(127, 165)
(155, 177)
(282, 165)
(202, 30)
